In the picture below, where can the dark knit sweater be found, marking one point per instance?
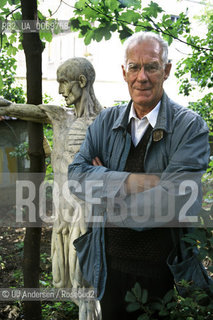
(134, 251)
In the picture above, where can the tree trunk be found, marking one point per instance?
(33, 52)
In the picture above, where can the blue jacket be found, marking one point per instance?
(177, 150)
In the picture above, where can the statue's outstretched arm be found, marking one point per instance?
(29, 112)
(56, 113)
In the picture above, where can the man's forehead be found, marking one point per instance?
(149, 48)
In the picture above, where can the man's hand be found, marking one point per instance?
(136, 182)
(97, 162)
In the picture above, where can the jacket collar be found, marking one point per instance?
(122, 120)
(163, 120)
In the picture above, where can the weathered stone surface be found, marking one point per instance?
(69, 129)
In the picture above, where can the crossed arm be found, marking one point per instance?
(135, 183)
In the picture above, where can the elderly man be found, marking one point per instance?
(150, 149)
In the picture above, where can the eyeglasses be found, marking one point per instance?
(149, 68)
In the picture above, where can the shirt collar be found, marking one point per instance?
(151, 116)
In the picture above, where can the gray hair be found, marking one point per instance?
(139, 37)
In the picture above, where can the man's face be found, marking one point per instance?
(145, 74)
(70, 90)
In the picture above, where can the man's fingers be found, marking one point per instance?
(97, 162)
(94, 162)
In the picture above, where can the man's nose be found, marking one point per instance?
(142, 76)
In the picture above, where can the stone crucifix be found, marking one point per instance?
(76, 77)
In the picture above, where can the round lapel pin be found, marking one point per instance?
(157, 135)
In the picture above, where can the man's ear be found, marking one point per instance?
(82, 81)
(124, 72)
(167, 70)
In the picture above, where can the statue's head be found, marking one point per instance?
(76, 77)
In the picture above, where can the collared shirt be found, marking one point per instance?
(139, 126)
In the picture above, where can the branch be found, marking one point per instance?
(157, 28)
(68, 4)
(56, 9)
(176, 38)
(106, 15)
(61, 1)
(19, 7)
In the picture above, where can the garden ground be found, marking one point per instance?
(11, 265)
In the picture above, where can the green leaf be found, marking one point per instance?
(139, 28)
(95, 2)
(90, 14)
(85, 27)
(201, 296)
(152, 10)
(144, 296)
(136, 4)
(80, 4)
(125, 33)
(113, 27)
(3, 3)
(88, 37)
(129, 297)
(11, 51)
(171, 305)
(163, 312)
(12, 37)
(1, 83)
(107, 35)
(168, 296)
(13, 2)
(17, 16)
(133, 306)
(75, 23)
(57, 28)
(98, 35)
(137, 290)
(143, 317)
(168, 39)
(101, 32)
(156, 306)
(47, 35)
(130, 16)
(41, 16)
(20, 47)
(112, 4)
